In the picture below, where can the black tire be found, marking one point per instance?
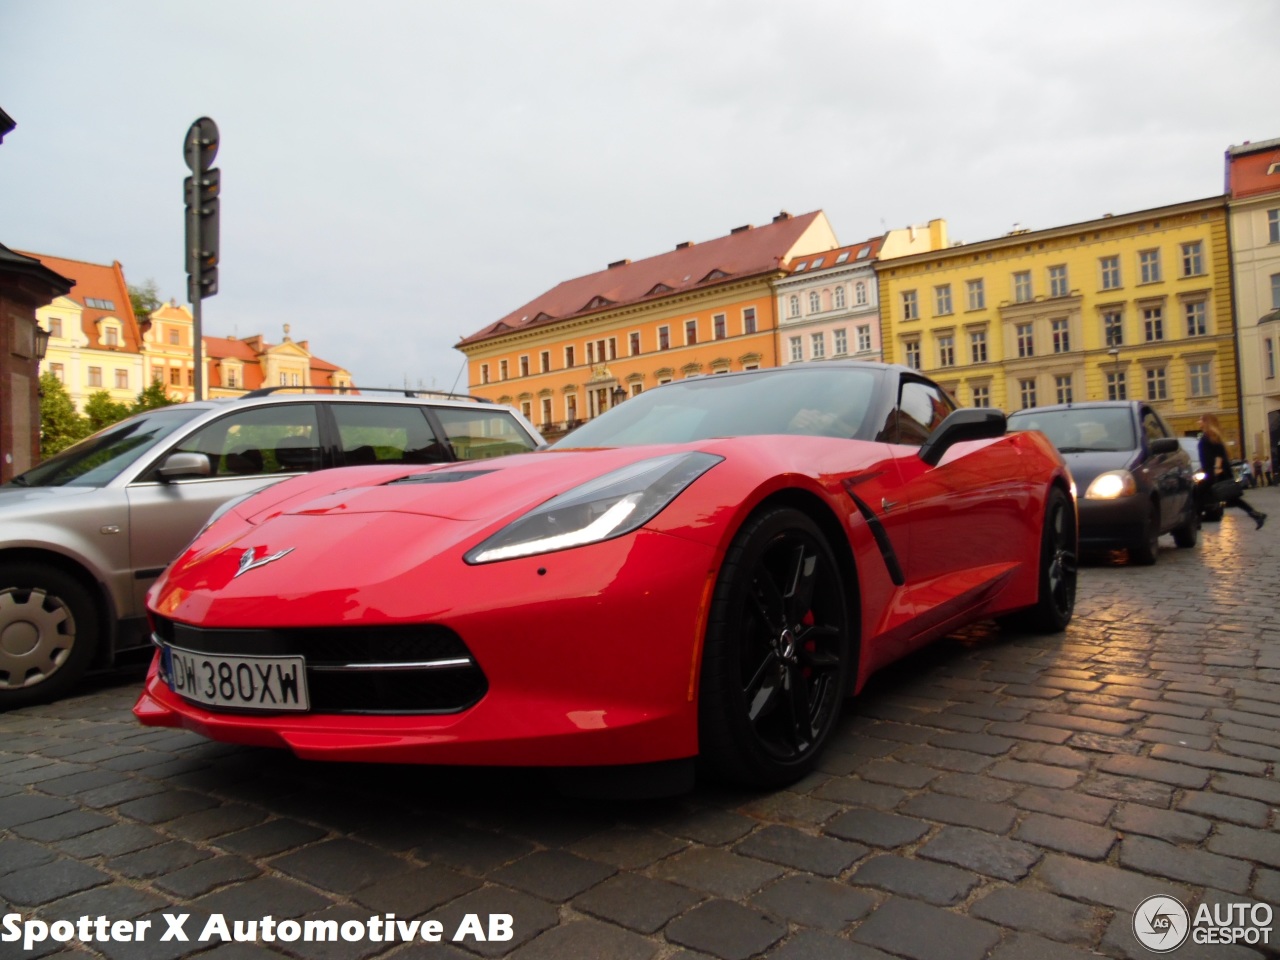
(48, 633)
(1146, 550)
(1213, 514)
(1187, 533)
(1059, 556)
(775, 666)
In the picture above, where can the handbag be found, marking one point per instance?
(1224, 490)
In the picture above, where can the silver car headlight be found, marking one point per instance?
(1111, 486)
(601, 509)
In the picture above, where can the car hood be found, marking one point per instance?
(19, 500)
(1086, 465)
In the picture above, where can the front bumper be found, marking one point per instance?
(1113, 524)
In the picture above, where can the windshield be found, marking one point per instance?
(827, 402)
(1080, 429)
(99, 459)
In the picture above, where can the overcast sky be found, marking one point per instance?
(397, 175)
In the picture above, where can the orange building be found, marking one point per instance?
(588, 343)
(235, 366)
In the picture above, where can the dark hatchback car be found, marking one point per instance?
(1134, 481)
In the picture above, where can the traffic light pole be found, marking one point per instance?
(194, 258)
(201, 191)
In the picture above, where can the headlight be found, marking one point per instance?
(601, 509)
(1111, 485)
(1199, 476)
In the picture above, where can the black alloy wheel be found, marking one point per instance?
(1056, 598)
(775, 668)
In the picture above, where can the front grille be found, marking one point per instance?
(417, 668)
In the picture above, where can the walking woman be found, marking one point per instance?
(1217, 466)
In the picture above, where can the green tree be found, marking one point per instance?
(101, 411)
(150, 398)
(60, 423)
(145, 299)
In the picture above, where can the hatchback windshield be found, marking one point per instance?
(99, 459)
(817, 402)
(1082, 429)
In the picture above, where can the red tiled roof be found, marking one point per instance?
(744, 252)
(98, 281)
(1248, 166)
(830, 258)
(248, 352)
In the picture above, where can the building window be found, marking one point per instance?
(840, 341)
(591, 352)
(1026, 340)
(571, 407)
(749, 320)
(860, 294)
(524, 366)
(1157, 388)
(1273, 226)
(978, 346)
(1022, 286)
(568, 356)
(637, 389)
(910, 308)
(484, 373)
(1199, 378)
(947, 351)
(175, 378)
(174, 337)
(793, 305)
(1197, 321)
(1153, 323)
(526, 409)
(544, 361)
(664, 338)
(1061, 335)
(633, 343)
(1062, 388)
(122, 379)
(942, 299)
(864, 338)
(55, 326)
(690, 332)
(982, 395)
(817, 346)
(1113, 328)
(546, 411)
(839, 298)
(95, 376)
(1027, 393)
(1110, 272)
(1192, 259)
(1058, 286)
(912, 350)
(1269, 346)
(110, 337)
(58, 371)
(1275, 291)
(815, 303)
(1149, 266)
(231, 378)
(797, 350)
(977, 295)
(1117, 389)
(502, 369)
(719, 329)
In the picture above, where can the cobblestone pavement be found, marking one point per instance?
(995, 796)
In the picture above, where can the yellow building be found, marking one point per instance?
(167, 351)
(1135, 306)
(586, 344)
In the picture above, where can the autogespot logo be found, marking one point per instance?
(1161, 924)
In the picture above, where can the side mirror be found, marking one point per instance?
(179, 466)
(1164, 445)
(969, 423)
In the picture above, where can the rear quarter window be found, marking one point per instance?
(483, 433)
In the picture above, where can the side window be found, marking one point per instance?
(386, 433)
(1152, 425)
(921, 408)
(482, 433)
(277, 439)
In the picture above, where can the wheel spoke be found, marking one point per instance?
(802, 568)
(762, 691)
(799, 703)
(768, 602)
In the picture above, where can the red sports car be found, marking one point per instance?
(705, 572)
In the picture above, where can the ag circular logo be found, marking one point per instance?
(1161, 924)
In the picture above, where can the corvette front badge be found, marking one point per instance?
(249, 562)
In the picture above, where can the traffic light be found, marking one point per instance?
(200, 194)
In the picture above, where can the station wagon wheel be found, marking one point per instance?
(776, 662)
(1146, 550)
(48, 632)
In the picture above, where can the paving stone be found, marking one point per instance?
(717, 871)
(473, 851)
(712, 827)
(1260, 846)
(992, 817)
(1219, 806)
(553, 874)
(1255, 788)
(1125, 788)
(1211, 759)
(627, 847)
(20, 854)
(1036, 774)
(1201, 728)
(112, 841)
(849, 790)
(812, 945)
(1119, 941)
(114, 901)
(154, 861)
(1037, 912)
(1030, 731)
(877, 828)
(215, 822)
(586, 938)
(1101, 884)
(1070, 721)
(1190, 866)
(1028, 946)
(637, 902)
(122, 791)
(921, 879)
(200, 878)
(343, 865)
(19, 809)
(726, 930)
(1099, 743)
(81, 783)
(64, 826)
(269, 838)
(813, 902)
(960, 761)
(415, 893)
(981, 852)
(39, 884)
(974, 787)
(1068, 836)
(826, 856)
(922, 932)
(245, 900)
(1162, 824)
(1173, 709)
(983, 743)
(909, 775)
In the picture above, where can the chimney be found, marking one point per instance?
(684, 246)
(618, 263)
(782, 216)
(742, 229)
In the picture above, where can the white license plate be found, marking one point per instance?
(245, 683)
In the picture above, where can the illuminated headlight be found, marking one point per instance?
(601, 509)
(1199, 476)
(1111, 485)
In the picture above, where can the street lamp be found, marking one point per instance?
(42, 343)
(1115, 356)
(619, 394)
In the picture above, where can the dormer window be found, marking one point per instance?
(110, 337)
